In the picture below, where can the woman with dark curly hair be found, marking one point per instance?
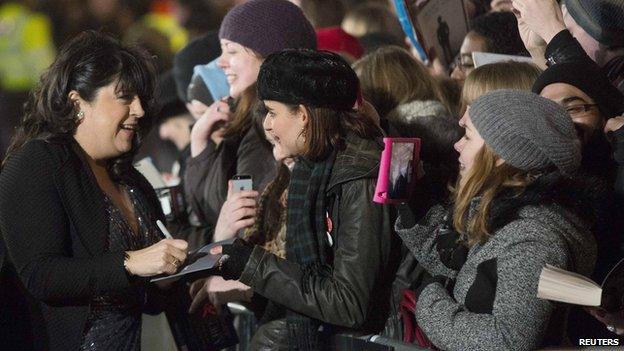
(77, 219)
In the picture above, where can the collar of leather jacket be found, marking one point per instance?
(358, 159)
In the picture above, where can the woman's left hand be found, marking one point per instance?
(196, 108)
(218, 292)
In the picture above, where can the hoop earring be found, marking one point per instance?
(80, 115)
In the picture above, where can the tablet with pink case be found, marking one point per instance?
(397, 170)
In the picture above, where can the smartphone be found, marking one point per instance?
(242, 182)
(397, 170)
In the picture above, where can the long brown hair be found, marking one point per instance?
(271, 214)
(244, 108)
(328, 127)
(391, 76)
(485, 179)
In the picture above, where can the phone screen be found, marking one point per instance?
(397, 170)
(401, 168)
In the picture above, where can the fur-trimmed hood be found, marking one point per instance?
(408, 112)
(430, 121)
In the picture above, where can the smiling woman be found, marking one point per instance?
(77, 218)
(108, 124)
(227, 138)
(484, 252)
(338, 243)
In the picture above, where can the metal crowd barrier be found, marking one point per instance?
(246, 325)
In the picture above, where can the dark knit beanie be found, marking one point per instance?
(266, 26)
(528, 131)
(308, 77)
(603, 20)
(589, 79)
(198, 52)
(169, 102)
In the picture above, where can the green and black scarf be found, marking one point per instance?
(306, 240)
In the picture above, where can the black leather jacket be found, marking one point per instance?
(357, 295)
(617, 142)
(565, 48)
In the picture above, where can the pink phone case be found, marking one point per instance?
(383, 180)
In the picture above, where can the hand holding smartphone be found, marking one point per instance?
(239, 209)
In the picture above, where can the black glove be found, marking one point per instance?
(234, 259)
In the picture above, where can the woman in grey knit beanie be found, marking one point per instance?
(515, 209)
(527, 131)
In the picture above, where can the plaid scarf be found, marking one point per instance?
(306, 239)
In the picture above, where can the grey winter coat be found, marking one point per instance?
(493, 305)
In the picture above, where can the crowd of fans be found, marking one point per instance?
(522, 166)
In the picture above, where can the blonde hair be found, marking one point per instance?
(391, 76)
(371, 17)
(486, 179)
(500, 75)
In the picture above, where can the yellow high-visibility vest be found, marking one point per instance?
(166, 24)
(26, 47)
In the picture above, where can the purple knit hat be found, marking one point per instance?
(267, 26)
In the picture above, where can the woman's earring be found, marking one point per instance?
(80, 115)
(303, 134)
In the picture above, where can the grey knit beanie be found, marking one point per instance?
(267, 26)
(603, 20)
(528, 131)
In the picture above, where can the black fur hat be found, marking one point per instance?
(310, 78)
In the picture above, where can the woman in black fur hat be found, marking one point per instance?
(338, 242)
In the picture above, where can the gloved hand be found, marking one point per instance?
(234, 259)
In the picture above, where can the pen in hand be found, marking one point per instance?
(163, 229)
